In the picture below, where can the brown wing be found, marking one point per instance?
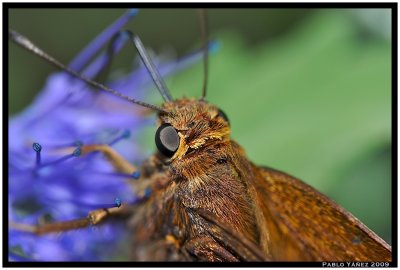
(300, 223)
(240, 247)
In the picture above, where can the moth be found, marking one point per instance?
(208, 202)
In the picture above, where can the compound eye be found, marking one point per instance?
(223, 115)
(167, 140)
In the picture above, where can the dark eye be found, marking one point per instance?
(167, 140)
(223, 115)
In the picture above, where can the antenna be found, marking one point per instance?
(151, 68)
(28, 45)
(204, 34)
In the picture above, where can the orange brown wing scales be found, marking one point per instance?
(303, 224)
(242, 248)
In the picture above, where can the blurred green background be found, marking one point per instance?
(307, 92)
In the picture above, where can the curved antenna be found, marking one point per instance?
(151, 68)
(28, 45)
(204, 34)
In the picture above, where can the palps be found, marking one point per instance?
(204, 156)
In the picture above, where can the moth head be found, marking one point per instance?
(191, 125)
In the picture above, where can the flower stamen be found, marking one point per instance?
(37, 147)
(117, 203)
(126, 134)
(76, 153)
(135, 175)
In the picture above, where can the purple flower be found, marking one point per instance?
(46, 182)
